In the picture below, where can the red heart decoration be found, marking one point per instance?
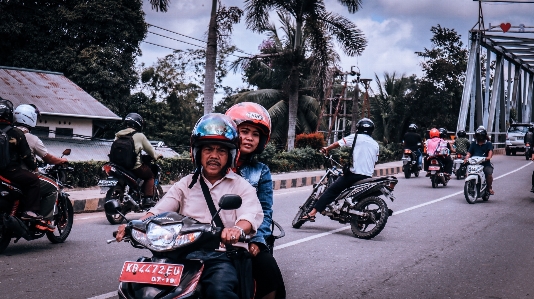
(505, 27)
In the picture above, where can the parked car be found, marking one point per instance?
(515, 138)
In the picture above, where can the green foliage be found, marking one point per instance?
(94, 43)
(313, 140)
(87, 174)
(439, 93)
(297, 159)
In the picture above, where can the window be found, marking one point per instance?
(40, 131)
(64, 132)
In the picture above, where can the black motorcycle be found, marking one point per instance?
(12, 226)
(528, 151)
(123, 186)
(361, 204)
(410, 164)
(437, 172)
(170, 237)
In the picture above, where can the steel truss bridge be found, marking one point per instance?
(506, 52)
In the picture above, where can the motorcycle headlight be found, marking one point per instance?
(164, 238)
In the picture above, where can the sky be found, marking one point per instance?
(394, 29)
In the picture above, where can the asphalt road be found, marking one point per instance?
(436, 245)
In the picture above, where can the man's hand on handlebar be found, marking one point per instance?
(324, 150)
(121, 231)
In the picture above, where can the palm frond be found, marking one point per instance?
(160, 5)
(352, 5)
(346, 33)
(279, 119)
(264, 97)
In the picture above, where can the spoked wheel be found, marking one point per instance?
(374, 221)
(63, 222)
(470, 191)
(116, 193)
(303, 210)
(5, 238)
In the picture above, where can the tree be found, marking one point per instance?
(391, 106)
(94, 43)
(439, 93)
(310, 16)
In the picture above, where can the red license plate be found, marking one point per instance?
(152, 273)
(433, 167)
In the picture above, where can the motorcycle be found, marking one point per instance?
(459, 168)
(170, 237)
(123, 186)
(410, 164)
(437, 172)
(360, 204)
(475, 182)
(12, 226)
(528, 151)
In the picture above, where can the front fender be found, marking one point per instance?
(472, 177)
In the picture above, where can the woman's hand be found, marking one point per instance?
(253, 249)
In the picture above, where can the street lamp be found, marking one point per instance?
(366, 107)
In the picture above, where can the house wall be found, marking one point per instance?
(79, 126)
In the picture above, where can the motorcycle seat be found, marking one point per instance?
(371, 180)
(126, 171)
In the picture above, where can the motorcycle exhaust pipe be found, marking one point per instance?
(131, 201)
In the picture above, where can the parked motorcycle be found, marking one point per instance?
(170, 237)
(123, 186)
(459, 168)
(475, 182)
(528, 151)
(360, 204)
(12, 226)
(410, 164)
(437, 172)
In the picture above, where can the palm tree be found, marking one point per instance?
(310, 16)
(391, 106)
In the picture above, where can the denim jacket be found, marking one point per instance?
(259, 176)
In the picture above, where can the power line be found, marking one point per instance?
(194, 38)
(176, 39)
(174, 49)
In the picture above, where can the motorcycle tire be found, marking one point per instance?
(470, 191)
(527, 155)
(303, 210)
(5, 238)
(407, 171)
(114, 193)
(160, 192)
(434, 183)
(369, 227)
(63, 222)
(416, 174)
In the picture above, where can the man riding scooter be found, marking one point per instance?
(413, 142)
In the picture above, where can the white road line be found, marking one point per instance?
(105, 296)
(296, 242)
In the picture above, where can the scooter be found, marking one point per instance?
(437, 173)
(459, 168)
(410, 164)
(475, 183)
(170, 237)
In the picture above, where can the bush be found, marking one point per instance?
(312, 140)
(297, 159)
(87, 173)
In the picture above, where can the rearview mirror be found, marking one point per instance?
(66, 152)
(230, 202)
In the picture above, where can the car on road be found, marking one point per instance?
(515, 138)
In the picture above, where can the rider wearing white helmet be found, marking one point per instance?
(25, 118)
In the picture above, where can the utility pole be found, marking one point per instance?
(355, 102)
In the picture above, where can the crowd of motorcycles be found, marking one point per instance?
(171, 236)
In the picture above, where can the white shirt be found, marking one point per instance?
(365, 153)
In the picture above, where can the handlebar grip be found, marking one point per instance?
(245, 239)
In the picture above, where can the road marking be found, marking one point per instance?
(105, 296)
(296, 242)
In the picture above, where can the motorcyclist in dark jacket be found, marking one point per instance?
(413, 142)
